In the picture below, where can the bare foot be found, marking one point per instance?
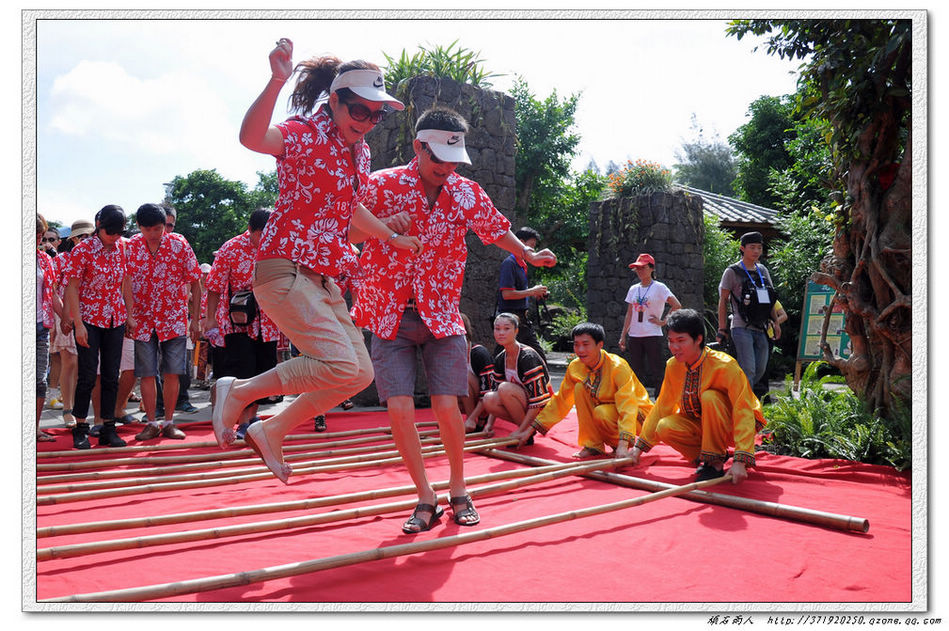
(587, 452)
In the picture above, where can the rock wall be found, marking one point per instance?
(666, 225)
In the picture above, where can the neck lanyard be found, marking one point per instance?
(760, 277)
(640, 296)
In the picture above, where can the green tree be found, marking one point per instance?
(550, 197)
(264, 194)
(546, 145)
(809, 179)
(793, 258)
(719, 250)
(804, 221)
(857, 75)
(707, 164)
(565, 231)
(564, 220)
(761, 147)
(212, 209)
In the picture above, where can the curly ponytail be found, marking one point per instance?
(315, 76)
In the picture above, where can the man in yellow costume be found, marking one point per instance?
(611, 402)
(705, 406)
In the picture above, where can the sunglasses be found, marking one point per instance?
(170, 226)
(50, 239)
(431, 154)
(360, 113)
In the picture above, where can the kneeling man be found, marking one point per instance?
(705, 406)
(611, 402)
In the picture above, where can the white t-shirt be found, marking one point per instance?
(511, 375)
(649, 300)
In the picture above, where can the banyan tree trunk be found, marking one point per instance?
(871, 269)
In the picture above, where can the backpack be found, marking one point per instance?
(751, 311)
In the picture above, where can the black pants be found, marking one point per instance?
(104, 351)
(645, 358)
(244, 357)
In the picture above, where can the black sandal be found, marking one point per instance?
(466, 517)
(415, 524)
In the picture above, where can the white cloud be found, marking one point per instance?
(175, 112)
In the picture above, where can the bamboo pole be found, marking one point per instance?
(208, 457)
(166, 590)
(237, 467)
(122, 478)
(785, 511)
(82, 549)
(73, 453)
(46, 500)
(274, 507)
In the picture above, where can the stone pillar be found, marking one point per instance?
(666, 225)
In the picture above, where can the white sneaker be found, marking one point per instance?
(55, 404)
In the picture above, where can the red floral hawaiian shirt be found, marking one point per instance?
(44, 262)
(389, 277)
(233, 270)
(100, 273)
(59, 265)
(321, 180)
(160, 285)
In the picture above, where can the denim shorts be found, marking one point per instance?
(173, 359)
(394, 361)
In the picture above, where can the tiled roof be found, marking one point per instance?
(730, 210)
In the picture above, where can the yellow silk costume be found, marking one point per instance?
(704, 409)
(611, 402)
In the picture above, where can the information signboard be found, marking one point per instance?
(817, 300)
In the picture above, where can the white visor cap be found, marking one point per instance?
(369, 84)
(448, 146)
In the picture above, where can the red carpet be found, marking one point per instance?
(671, 550)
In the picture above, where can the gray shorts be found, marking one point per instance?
(173, 358)
(394, 361)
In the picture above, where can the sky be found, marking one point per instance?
(124, 106)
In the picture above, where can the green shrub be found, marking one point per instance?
(640, 177)
(822, 422)
(719, 250)
(567, 281)
(793, 258)
(460, 64)
(563, 324)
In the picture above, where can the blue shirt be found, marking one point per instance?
(513, 276)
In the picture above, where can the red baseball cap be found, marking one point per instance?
(644, 259)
